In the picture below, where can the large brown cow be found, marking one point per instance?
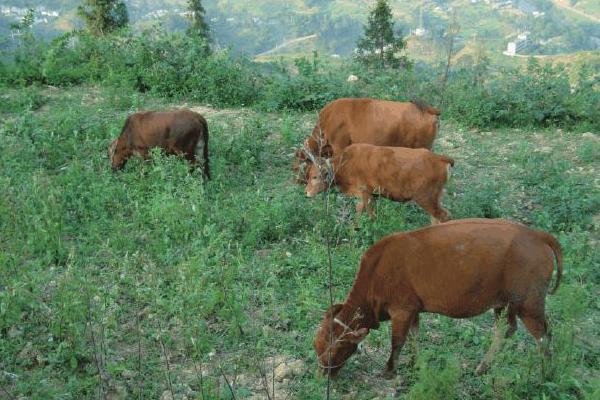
(459, 269)
(398, 173)
(181, 132)
(380, 122)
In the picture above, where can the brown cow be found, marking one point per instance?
(384, 123)
(460, 269)
(397, 173)
(177, 132)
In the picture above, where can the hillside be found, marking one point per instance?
(553, 26)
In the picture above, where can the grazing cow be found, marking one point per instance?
(460, 269)
(383, 123)
(398, 173)
(177, 132)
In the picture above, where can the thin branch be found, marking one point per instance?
(228, 384)
(265, 382)
(164, 350)
(198, 371)
(139, 340)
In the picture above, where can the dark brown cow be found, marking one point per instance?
(398, 173)
(181, 132)
(383, 123)
(460, 269)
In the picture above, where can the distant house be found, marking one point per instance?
(522, 43)
(419, 32)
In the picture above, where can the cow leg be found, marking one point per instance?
(485, 363)
(535, 322)
(413, 336)
(401, 322)
(431, 204)
(367, 202)
(511, 319)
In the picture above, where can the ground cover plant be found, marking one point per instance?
(151, 283)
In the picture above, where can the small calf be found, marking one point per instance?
(397, 173)
(460, 269)
(181, 132)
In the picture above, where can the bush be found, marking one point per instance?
(175, 65)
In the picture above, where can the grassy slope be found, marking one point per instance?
(111, 272)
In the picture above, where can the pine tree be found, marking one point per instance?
(198, 25)
(380, 46)
(103, 16)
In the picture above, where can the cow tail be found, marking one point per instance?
(205, 148)
(433, 111)
(426, 108)
(446, 159)
(555, 246)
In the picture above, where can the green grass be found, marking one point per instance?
(106, 276)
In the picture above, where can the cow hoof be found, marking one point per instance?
(389, 374)
(482, 368)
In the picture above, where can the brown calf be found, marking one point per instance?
(460, 269)
(177, 132)
(380, 122)
(397, 173)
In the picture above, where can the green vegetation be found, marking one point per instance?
(171, 65)
(151, 283)
(104, 273)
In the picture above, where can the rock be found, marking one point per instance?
(289, 370)
(14, 332)
(116, 392)
(168, 396)
(128, 374)
(352, 78)
(545, 149)
(589, 135)
(29, 354)
(263, 253)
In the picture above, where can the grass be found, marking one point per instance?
(150, 282)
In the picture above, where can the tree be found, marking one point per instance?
(103, 16)
(380, 46)
(198, 25)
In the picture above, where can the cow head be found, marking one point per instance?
(333, 348)
(116, 155)
(300, 165)
(319, 176)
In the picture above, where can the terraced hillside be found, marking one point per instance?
(260, 26)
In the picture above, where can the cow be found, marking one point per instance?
(181, 132)
(397, 173)
(384, 123)
(460, 269)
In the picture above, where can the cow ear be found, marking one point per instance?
(358, 335)
(300, 154)
(326, 150)
(334, 310)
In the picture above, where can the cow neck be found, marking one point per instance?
(335, 164)
(357, 313)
